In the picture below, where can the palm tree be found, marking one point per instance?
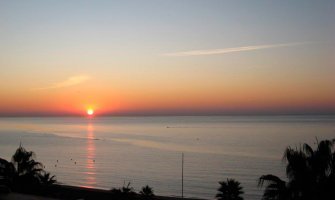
(147, 192)
(276, 188)
(126, 192)
(230, 190)
(46, 179)
(7, 172)
(29, 174)
(25, 164)
(310, 174)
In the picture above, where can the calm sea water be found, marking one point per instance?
(107, 152)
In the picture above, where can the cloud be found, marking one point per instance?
(71, 81)
(229, 50)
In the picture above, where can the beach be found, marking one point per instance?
(58, 192)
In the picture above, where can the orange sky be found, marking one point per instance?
(198, 59)
(202, 96)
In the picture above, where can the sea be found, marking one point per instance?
(175, 155)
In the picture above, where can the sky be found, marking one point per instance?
(167, 57)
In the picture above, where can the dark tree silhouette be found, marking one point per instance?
(25, 164)
(127, 189)
(7, 172)
(310, 174)
(25, 174)
(230, 190)
(147, 193)
(276, 188)
(126, 192)
(46, 179)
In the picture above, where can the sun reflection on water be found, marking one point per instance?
(90, 171)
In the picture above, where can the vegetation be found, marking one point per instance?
(126, 192)
(310, 174)
(47, 179)
(147, 193)
(230, 190)
(25, 174)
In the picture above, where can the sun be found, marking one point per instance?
(90, 112)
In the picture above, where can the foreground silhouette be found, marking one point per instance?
(147, 193)
(310, 173)
(24, 173)
(128, 192)
(230, 190)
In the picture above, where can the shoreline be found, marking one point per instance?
(57, 191)
(93, 193)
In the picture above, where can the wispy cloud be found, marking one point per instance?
(230, 50)
(73, 80)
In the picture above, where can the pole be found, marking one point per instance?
(182, 175)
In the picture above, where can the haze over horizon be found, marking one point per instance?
(191, 57)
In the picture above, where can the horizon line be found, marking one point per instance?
(176, 114)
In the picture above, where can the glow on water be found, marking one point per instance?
(108, 152)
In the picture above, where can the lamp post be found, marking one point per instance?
(182, 175)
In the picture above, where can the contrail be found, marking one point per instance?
(230, 50)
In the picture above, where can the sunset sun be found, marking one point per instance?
(90, 112)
